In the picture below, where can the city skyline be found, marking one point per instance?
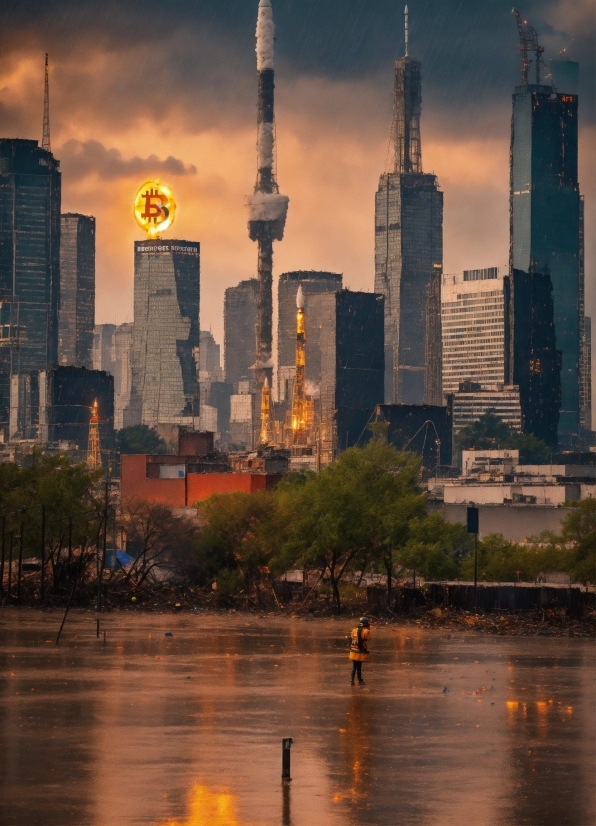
(104, 154)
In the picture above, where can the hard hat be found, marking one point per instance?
(364, 621)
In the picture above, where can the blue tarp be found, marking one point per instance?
(117, 559)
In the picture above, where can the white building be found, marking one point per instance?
(473, 328)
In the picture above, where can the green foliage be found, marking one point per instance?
(502, 561)
(353, 511)
(241, 533)
(139, 438)
(579, 528)
(491, 433)
(436, 547)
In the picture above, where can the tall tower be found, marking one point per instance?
(408, 241)
(94, 449)
(76, 316)
(267, 209)
(545, 211)
(299, 406)
(45, 133)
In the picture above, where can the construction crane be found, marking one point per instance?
(94, 449)
(528, 43)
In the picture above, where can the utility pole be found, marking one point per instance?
(473, 527)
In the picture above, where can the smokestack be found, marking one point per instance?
(267, 209)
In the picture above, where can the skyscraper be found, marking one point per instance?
(76, 315)
(532, 353)
(473, 328)
(352, 366)
(545, 209)
(408, 241)
(240, 318)
(165, 385)
(30, 189)
(312, 282)
(112, 352)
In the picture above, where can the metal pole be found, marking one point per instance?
(101, 563)
(43, 554)
(69, 543)
(10, 564)
(475, 573)
(20, 568)
(2, 560)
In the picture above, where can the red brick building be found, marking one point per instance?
(195, 475)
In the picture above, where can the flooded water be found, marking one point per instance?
(186, 730)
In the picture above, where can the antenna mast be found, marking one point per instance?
(407, 28)
(528, 42)
(45, 141)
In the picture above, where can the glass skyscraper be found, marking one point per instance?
(408, 245)
(30, 189)
(545, 221)
(76, 316)
(165, 360)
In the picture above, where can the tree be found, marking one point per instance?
(241, 532)
(435, 547)
(491, 433)
(139, 438)
(73, 508)
(353, 511)
(579, 528)
(158, 540)
(500, 560)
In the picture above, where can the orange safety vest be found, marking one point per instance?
(358, 640)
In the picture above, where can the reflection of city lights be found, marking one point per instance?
(512, 705)
(207, 807)
(542, 707)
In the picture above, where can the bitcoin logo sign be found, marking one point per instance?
(154, 208)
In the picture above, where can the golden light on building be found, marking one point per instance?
(267, 435)
(299, 402)
(154, 208)
(94, 447)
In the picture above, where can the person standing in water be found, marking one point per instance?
(359, 649)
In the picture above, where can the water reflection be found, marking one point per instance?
(208, 808)
(158, 731)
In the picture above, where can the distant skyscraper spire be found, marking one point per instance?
(405, 137)
(45, 141)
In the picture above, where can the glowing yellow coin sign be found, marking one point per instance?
(155, 208)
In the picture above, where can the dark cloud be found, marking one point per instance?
(202, 53)
(78, 159)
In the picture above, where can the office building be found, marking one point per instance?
(165, 386)
(76, 314)
(54, 406)
(408, 243)
(545, 206)
(240, 318)
(352, 367)
(471, 402)
(424, 429)
(30, 190)
(112, 352)
(312, 282)
(473, 328)
(535, 361)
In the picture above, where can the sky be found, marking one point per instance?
(168, 90)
